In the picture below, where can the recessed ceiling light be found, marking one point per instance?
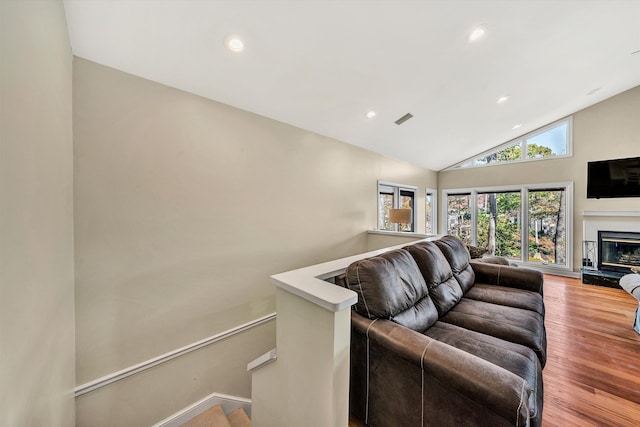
(371, 114)
(502, 99)
(518, 126)
(234, 43)
(476, 33)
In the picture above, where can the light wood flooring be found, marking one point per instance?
(592, 376)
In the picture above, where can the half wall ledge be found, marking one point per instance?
(309, 282)
(306, 379)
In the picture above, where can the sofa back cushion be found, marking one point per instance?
(457, 255)
(443, 287)
(390, 286)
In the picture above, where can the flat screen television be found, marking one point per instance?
(613, 178)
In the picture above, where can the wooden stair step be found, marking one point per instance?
(212, 417)
(239, 418)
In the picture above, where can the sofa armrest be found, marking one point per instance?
(510, 277)
(492, 259)
(448, 373)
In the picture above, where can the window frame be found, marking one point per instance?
(473, 162)
(445, 211)
(386, 187)
(524, 215)
(434, 210)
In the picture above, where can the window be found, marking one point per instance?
(547, 226)
(430, 211)
(459, 216)
(498, 223)
(530, 224)
(549, 142)
(554, 140)
(395, 196)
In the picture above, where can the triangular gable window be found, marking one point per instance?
(552, 141)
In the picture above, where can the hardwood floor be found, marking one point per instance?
(592, 376)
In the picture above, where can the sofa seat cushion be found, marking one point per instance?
(515, 358)
(511, 324)
(510, 297)
(390, 286)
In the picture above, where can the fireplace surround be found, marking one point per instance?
(611, 245)
(618, 251)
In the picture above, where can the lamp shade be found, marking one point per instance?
(400, 216)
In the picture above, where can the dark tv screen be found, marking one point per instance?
(613, 178)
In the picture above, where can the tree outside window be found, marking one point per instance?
(395, 196)
(547, 226)
(459, 216)
(498, 223)
(430, 211)
(554, 140)
(528, 223)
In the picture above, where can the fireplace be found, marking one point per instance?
(609, 255)
(618, 251)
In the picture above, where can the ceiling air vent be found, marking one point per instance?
(404, 118)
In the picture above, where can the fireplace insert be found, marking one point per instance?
(618, 251)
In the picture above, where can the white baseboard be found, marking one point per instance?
(228, 403)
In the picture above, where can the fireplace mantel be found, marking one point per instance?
(594, 221)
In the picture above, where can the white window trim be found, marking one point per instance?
(524, 214)
(396, 188)
(522, 139)
(434, 209)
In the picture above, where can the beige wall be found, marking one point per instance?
(607, 130)
(184, 207)
(36, 222)
(152, 395)
(377, 241)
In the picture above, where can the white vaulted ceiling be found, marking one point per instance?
(321, 65)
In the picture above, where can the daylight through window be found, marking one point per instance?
(554, 140)
(395, 196)
(430, 210)
(459, 216)
(530, 223)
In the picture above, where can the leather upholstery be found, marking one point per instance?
(492, 259)
(511, 324)
(404, 378)
(390, 286)
(511, 297)
(515, 358)
(436, 271)
(458, 257)
(511, 277)
(432, 344)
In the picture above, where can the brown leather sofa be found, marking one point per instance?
(438, 341)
